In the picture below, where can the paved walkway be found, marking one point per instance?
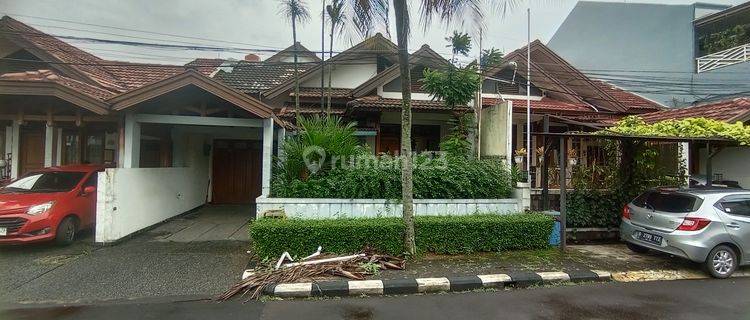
(185, 256)
(209, 223)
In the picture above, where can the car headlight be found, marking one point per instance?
(40, 208)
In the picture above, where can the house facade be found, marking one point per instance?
(171, 137)
(176, 137)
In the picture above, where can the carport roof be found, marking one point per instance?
(616, 136)
(191, 77)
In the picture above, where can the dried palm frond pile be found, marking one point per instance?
(351, 267)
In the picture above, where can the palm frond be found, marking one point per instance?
(369, 16)
(503, 7)
(452, 11)
(294, 10)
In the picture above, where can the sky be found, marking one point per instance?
(256, 25)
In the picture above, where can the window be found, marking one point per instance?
(735, 205)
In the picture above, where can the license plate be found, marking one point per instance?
(647, 237)
(3, 231)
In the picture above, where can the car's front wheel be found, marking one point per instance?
(66, 231)
(721, 262)
(636, 248)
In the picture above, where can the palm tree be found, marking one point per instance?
(367, 12)
(335, 12)
(296, 12)
(490, 57)
(460, 43)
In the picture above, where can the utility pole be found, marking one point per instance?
(478, 102)
(322, 56)
(528, 96)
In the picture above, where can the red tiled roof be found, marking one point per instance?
(113, 75)
(544, 105)
(376, 102)
(50, 76)
(633, 102)
(288, 112)
(728, 110)
(84, 61)
(310, 92)
(205, 66)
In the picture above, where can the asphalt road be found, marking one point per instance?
(687, 299)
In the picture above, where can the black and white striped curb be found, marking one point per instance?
(424, 285)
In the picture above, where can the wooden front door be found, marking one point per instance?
(390, 139)
(32, 149)
(236, 171)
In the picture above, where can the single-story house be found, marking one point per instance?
(172, 137)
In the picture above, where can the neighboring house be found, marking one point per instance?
(572, 100)
(729, 163)
(674, 54)
(172, 137)
(366, 88)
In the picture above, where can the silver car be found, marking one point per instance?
(709, 225)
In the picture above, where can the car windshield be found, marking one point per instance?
(45, 182)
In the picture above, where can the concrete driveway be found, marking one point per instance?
(200, 253)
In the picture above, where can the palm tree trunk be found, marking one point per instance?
(296, 68)
(330, 68)
(402, 34)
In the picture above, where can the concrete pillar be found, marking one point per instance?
(8, 141)
(59, 146)
(15, 149)
(684, 160)
(49, 144)
(509, 133)
(267, 156)
(280, 136)
(131, 156)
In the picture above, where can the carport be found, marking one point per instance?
(559, 142)
(187, 141)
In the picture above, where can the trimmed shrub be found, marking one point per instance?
(381, 179)
(483, 233)
(271, 237)
(436, 234)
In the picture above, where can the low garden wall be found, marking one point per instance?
(314, 208)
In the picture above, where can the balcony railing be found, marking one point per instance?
(724, 58)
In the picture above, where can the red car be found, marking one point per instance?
(49, 204)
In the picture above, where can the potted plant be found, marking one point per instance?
(519, 155)
(540, 155)
(573, 157)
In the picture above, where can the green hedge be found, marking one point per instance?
(483, 233)
(436, 234)
(594, 209)
(380, 178)
(271, 237)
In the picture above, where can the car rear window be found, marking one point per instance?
(668, 201)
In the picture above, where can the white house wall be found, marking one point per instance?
(130, 199)
(347, 76)
(731, 163)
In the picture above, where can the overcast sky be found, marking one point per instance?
(252, 24)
